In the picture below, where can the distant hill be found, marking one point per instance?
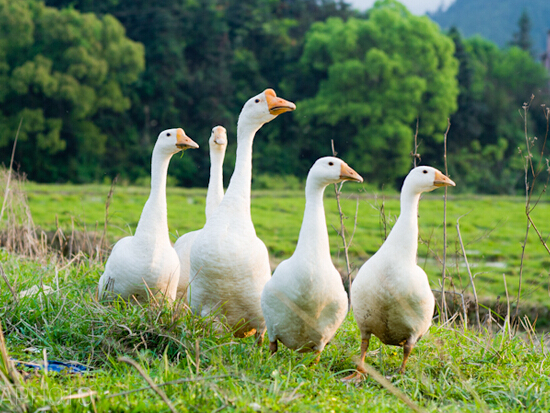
(497, 20)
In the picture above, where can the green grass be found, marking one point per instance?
(492, 229)
(451, 369)
(202, 370)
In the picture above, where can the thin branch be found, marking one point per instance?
(150, 382)
(342, 231)
(372, 372)
(107, 204)
(177, 381)
(9, 172)
(415, 154)
(478, 322)
(444, 271)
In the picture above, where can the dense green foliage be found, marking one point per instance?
(489, 125)
(204, 59)
(379, 75)
(92, 109)
(496, 20)
(64, 75)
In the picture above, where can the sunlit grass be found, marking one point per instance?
(450, 369)
(492, 228)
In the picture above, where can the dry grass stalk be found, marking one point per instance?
(106, 223)
(18, 232)
(342, 231)
(415, 155)
(7, 188)
(531, 174)
(150, 382)
(507, 326)
(476, 302)
(9, 376)
(380, 379)
(444, 261)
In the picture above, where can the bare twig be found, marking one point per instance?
(478, 322)
(415, 154)
(12, 291)
(7, 189)
(177, 381)
(150, 382)
(342, 231)
(10, 380)
(444, 271)
(380, 379)
(107, 204)
(507, 319)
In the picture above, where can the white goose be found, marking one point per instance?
(304, 302)
(146, 263)
(214, 195)
(229, 263)
(391, 296)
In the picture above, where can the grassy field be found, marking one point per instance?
(198, 370)
(492, 229)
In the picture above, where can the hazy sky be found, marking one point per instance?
(415, 6)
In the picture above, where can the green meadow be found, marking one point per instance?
(161, 358)
(493, 229)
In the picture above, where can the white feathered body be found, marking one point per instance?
(229, 267)
(304, 303)
(229, 263)
(214, 196)
(146, 264)
(392, 299)
(391, 295)
(140, 268)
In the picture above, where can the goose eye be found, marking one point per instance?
(257, 100)
(168, 134)
(331, 163)
(424, 171)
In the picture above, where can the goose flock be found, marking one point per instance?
(222, 270)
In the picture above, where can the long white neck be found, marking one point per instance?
(154, 220)
(214, 194)
(403, 238)
(313, 240)
(237, 195)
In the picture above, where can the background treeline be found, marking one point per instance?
(96, 80)
(495, 20)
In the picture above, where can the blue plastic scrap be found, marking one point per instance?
(57, 366)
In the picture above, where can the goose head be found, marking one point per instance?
(425, 179)
(218, 138)
(172, 141)
(264, 107)
(331, 170)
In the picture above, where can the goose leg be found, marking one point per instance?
(358, 375)
(259, 337)
(407, 349)
(317, 357)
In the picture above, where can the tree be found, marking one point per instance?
(487, 129)
(62, 72)
(522, 38)
(204, 59)
(379, 75)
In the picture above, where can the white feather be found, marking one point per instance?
(304, 303)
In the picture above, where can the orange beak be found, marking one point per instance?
(185, 142)
(277, 105)
(442, 180)
(348, 174)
